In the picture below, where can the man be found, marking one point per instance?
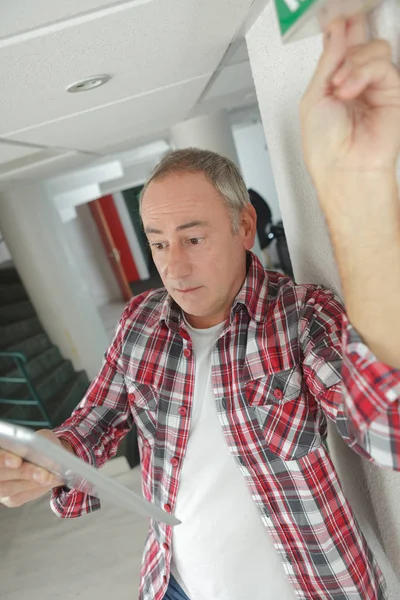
(230, 374)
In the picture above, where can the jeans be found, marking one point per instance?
(174, 591)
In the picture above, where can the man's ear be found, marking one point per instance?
(248, 225)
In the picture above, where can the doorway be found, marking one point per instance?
(132, 201)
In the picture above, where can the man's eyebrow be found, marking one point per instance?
(149, 230)
(189, 225)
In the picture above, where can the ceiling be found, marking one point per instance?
(168, 60)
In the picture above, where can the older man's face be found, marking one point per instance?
(201, 261)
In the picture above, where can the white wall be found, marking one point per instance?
(255, 163)
(281, 74)
(91, 257)
(4, 251)
(46, 263)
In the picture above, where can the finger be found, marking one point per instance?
(9, 489)
(332, 57)
(9, 474)
(10, 460)
(29, 472)
(357, 30)
(25, 471)
(46, 478)
(360, 55)
(379, 75)
(20, 499)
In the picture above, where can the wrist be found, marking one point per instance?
(359, 196)
(66, 445)
(353, 178)
(347, 173)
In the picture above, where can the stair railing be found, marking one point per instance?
(34, 400)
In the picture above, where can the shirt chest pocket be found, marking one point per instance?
(288, 424)
(143, 400)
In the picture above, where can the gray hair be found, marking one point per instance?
(221, 172)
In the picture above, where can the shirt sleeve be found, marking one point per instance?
(357, 391)
(97, 425)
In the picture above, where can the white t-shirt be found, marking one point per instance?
(222, 550)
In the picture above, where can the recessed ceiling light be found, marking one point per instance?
(88, 83)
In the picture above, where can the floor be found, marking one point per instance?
(110, 313)
(95, 557)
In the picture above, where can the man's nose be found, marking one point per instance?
(178, 265)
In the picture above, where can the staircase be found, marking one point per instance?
(44, 389)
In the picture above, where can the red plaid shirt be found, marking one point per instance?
(287, 360)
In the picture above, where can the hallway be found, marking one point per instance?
(110, 313)
(95, 557)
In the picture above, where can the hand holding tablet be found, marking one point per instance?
(32, 463)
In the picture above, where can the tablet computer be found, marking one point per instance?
(74, 472)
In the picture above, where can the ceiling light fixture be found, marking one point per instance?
(88, 83)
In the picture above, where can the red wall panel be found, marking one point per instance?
(117, 231)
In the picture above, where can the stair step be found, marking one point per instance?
(48, 384)
(10, 334)
(17, 311)
(36, 344)
(36, 367)
(12, 292)
(59, 406)
(8, 273)
(63, 404)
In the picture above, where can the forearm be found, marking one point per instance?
(363, 217)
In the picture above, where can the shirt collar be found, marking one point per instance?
(252, 296)
(171, 313)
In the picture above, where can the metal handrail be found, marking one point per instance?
(20, 359)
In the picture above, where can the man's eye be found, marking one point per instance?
(157, 246)
(194, 241)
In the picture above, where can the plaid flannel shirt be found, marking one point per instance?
(287, 360)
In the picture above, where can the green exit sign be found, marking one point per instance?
(304, 18)
(290, 13)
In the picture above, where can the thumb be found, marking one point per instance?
(335, 50)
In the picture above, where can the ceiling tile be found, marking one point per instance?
(132, 143)
(237, 54)
(229, 102)
(24, 15)
(230, 80)
(46, 163)
(133, 118)
(144, 48)
(11, 152)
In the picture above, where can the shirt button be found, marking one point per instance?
(187, 352)
(182, 411)
(165, 546)
(165, 579)
(174, 461)
(167, 508)
(278, 394)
